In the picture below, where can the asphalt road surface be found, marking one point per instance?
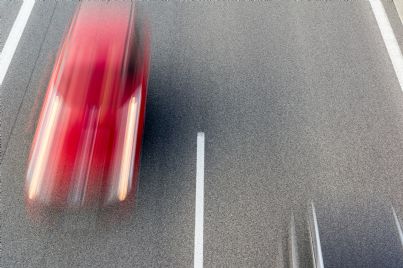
(299, 103)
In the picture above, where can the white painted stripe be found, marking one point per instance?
(399, 227)
(199, 216)
(399, 8)
(389, 38)
(14, 37)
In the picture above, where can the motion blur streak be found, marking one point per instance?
(79, 185)
(41, 153)
(87, 143)
(126, 167)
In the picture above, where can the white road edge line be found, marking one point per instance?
(389, 38)
(399, 227)
(199, 211)
(399, 8)
(14, 37)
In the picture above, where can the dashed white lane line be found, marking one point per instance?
(389, 38)
(399, 227)
(14, 37)
(199, 211)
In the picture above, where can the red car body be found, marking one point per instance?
(86, 149)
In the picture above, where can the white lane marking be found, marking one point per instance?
(399, 8)
(14, 37)
(315, 240)
(199, 214)
(399, 227)
(389, 39)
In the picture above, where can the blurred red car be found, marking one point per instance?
(86, 148)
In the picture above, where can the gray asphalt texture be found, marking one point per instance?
(299, 103)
